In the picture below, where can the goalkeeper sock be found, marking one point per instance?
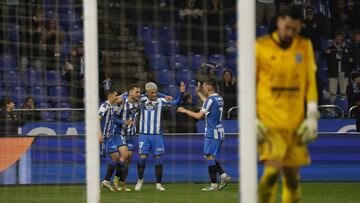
(110, 170)
(268, 184)
(219, 168)
(212, 170)
(141, 168)
(120, 171)
(291, 188)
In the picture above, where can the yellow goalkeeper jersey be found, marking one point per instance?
(285, 81)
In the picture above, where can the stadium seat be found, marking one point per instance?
(178, 61)
(76, 34)
(166, 77)
(153, 47)
(12, 78)
(170, 47)
(172, 90)
(53, 78)
(218, 59)
(230, 47)
(158, 62)
(64, 115)
(17, 93)
(164, 33)
(185, 75)
(145, 33)
(47, 115)
(59, 93)
(2, 92)
(13, 32)
(229, 34)
(261, 30)
(196, 61)
(39, 94)
(191, 88)
(7, 63)
(33, 78)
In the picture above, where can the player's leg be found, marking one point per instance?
(291, 185)
(131, 149)
(269, 181)
(144, 149)
(272, 152)
(113, 158)
(209, 149)
(333, 86)
(119, 181)
(225, 178)
(157, 145)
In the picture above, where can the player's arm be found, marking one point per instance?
(198, 92)
(177, 100)
(308, 129)
(101, 113)
(100, 135)
(197, 115)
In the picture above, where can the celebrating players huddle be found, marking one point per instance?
(120, 116)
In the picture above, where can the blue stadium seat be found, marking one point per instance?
(153, 47)
(76, 34)
(39, 94)
(17, 93)
(172, 90)
(218, 59)
(64, 115)
(230, 47)
(170, 47)
(185, 75)
(12, 78)
(7, 63)
(191, 88)
(196, 61)
(164, 33)
(51, 14)
(13, 32)
(158, 62)
(59, 93)
(166, 77)
(261, 30)
(53, 78)
(2, 92)
(229, 34)
(178, 61)
(33, 78)
(47, 115)
(145, 33)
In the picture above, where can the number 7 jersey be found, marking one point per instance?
(213, 108)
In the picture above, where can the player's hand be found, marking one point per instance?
(129, 122)
(169, 98)
(182, 87)
(101, 139)
(328, 51)
(198, 87)
(119, 99)
(181, 110)
(261, 130)
(307, 131)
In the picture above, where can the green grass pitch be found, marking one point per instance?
(331, 192)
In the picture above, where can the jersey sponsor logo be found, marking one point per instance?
(298, 58)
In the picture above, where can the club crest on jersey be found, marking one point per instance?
(298, 58)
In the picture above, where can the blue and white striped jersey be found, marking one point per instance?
(213, 108)
(106, 111)
(128, 111)
(151, 115)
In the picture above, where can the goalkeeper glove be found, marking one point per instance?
(261, 130)
(307, 131)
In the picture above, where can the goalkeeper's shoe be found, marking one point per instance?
(224, 181)
(107, 185)
(159, 187)
(139, 184)
(212, 187)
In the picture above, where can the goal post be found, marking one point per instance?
(91, 100)
(247, 100)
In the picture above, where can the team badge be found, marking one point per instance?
(298, 58)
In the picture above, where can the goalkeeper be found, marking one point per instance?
(285, 82)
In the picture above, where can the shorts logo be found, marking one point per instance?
(159, 149)
(298, 58)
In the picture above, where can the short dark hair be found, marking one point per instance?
(295, 12)
(355, 75)
(132, 86)
(110, 91)
(211, 83)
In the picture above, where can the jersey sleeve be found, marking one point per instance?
(102, 110)
(311, 88)
(206, 106)
(176, 101)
